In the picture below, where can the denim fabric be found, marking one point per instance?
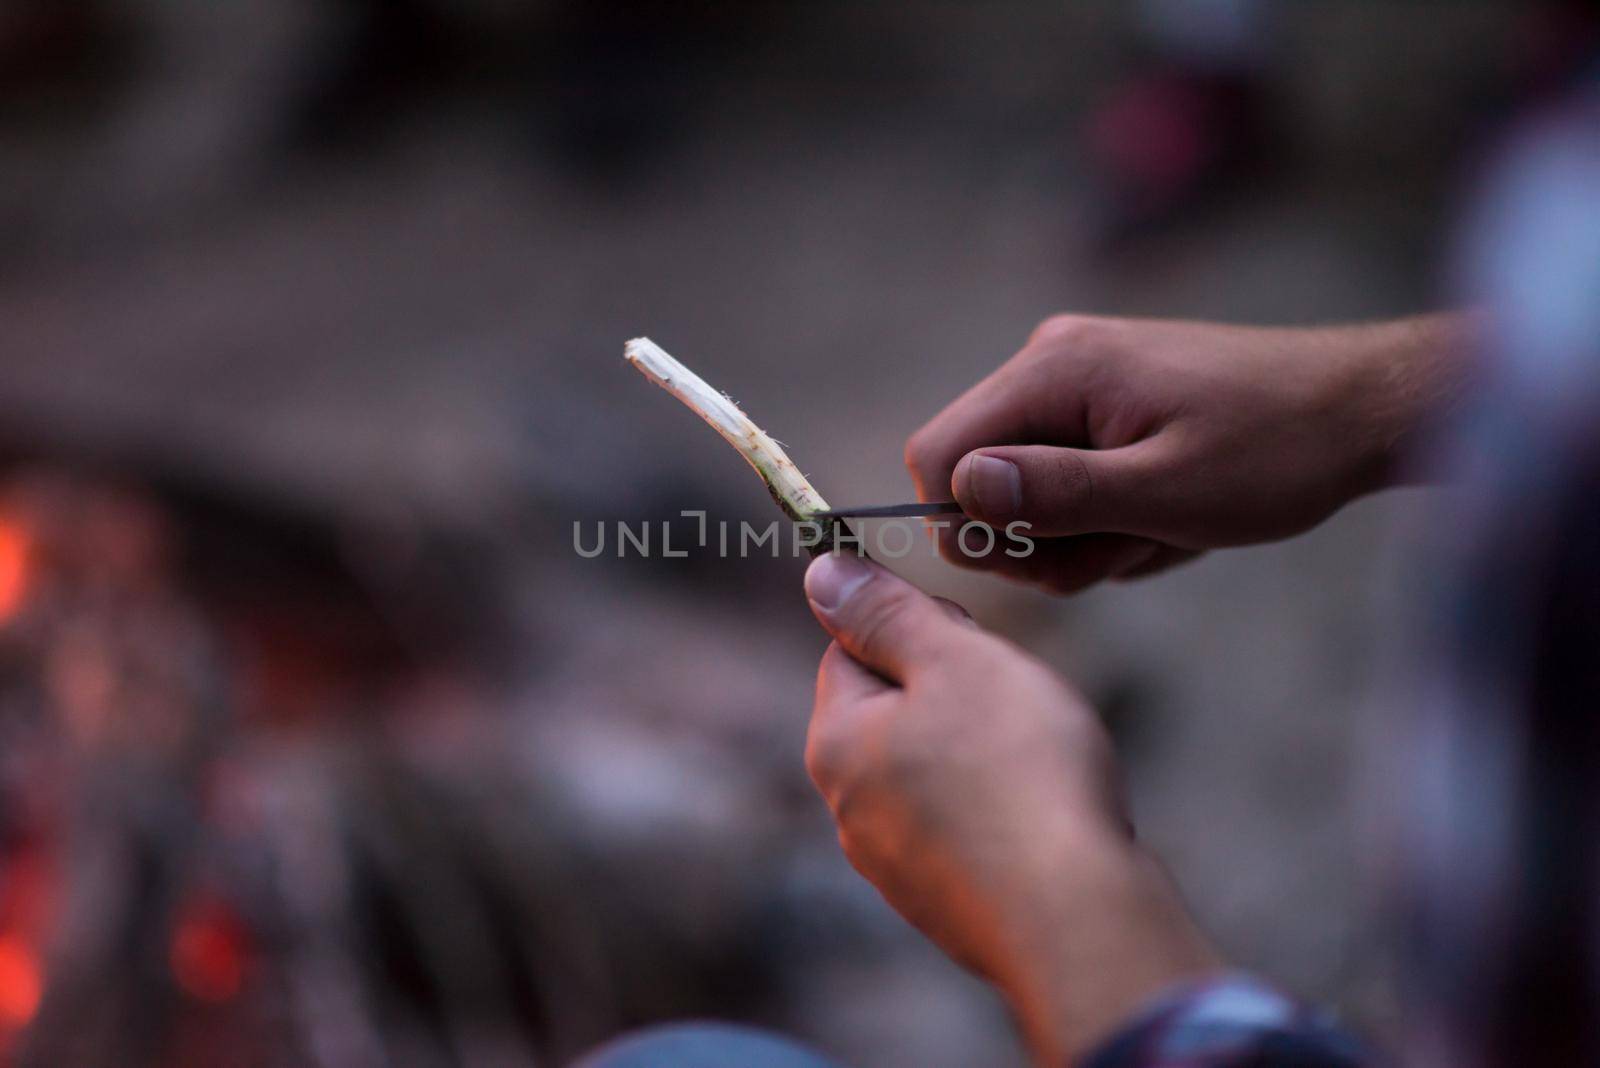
(703, 1045)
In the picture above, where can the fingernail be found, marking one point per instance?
(833, 577)
(996, 485)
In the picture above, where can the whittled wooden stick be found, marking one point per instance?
(796, 496)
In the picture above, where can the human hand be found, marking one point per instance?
(1131, 445)
(980, 795)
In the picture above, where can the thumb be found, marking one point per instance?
(880, 619)
(1059, 491)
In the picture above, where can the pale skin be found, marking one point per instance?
(971, 785)
(1137, 444)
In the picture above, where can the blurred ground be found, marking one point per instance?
(373, 265)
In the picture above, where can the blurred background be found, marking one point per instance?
(320, 745)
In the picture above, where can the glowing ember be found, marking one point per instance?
(208, 953)
(21, 985)
(13, 569)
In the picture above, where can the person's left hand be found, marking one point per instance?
(980, 795)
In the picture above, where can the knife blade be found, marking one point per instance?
(886, 511)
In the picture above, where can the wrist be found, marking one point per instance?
(1114, 933)
(1393, 379)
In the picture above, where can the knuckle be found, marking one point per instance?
(1071, 484)
(924, 449)
(1062, 329)
(1089, 340)
(883, 620)
(919, 446)
(822, 757)
(818, 765)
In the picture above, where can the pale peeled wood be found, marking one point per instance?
(789, 487)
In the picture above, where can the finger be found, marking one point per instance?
(1061, 565)
(1064, 491)
(841, 682)
(955, 611)
(1018, 402)
(1168, 557)
(963, 541)
(847, 696)
(887, 624)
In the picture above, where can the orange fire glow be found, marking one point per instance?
(21, 984)
(13, 568)
(209, 953)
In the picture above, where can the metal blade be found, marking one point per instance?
(883, 511)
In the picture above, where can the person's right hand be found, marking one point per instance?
(1131, 445)
(980, 794)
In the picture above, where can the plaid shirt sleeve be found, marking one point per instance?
(1229, 1022)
